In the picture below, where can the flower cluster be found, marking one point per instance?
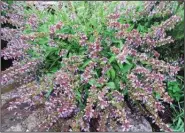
(32, 36)
(163, 9)
(3, 6)
(55, 27)
(33, 21)
(103, 103)
(87, 75)
(148, 5)
(16, 49)
(8, 34)
(114, 25)
(83, 39)
(10, 21)
(89, 111)
(115, 50)
(17, 73)
(114, 16)
(64, 81)
(95, 48)
(122, 56)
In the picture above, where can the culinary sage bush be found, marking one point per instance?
(80, 59)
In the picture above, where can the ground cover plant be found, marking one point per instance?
(82, 60)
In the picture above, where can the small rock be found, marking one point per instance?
(16, 128)
(31, 122)
(138, 123)
(143, 126)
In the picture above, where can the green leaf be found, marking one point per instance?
(92, 81)
(145, 62)
(52, 19)
(157, 95)
(78, 95)
(111, 85)
(113, 74)
(178, 123)
(86, 63)
(177, 98)
(121, 66)
(127, 62)
(49, 92)
(112, 58)
(181, 128)
(125, 67)
(67, 30)
(176, 88)
(117, 81)
(43, 28)
(108, 74)
(170, 88)
(79, 99)
(9, 2)
(43, 41)
(54, 69)
(129, 58)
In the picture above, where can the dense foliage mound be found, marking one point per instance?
(81, 59)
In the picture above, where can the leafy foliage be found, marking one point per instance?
(176, 90)
(89, 55)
